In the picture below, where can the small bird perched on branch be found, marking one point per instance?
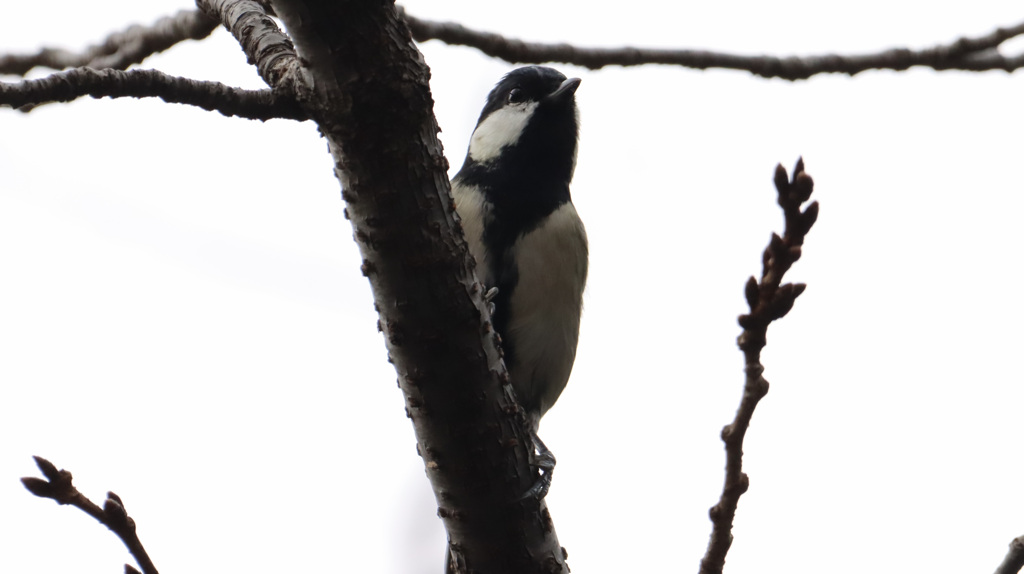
(512, 195)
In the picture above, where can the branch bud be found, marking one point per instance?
(38, 486)
(781, 179)
(48, 469)
(751, 292)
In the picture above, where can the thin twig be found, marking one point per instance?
(120, 49)
(73, 84)
(135, 44)
(1014, 559)
(769, 300)
(113, 515)
(971, 54)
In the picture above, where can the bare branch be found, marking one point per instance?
(113, 515)
(73, 84)
(137, 43)
(263, 41)
(119, 50)
(1014, 559)
(769, 300)
(971, 54)
(267, 47)
(372, 103)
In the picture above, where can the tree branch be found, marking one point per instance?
(769, 300)
(971, 54)
(135, 44)
(268, 48)
(371, 101)
(1014, 559)
(113, 515)
(73, 84)
(120, 49)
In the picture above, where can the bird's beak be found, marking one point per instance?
(565, 91)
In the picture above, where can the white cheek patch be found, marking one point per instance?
(498, 130)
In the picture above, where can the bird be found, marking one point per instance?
(530, 246)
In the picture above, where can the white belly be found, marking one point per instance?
(547, 299)
(545, 307)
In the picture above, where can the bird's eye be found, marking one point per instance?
(516, 95)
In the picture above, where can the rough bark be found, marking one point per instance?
(371, 99)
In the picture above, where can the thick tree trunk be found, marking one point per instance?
(371, 99)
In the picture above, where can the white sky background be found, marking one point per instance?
(183, 321)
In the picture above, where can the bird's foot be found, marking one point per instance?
(489, 299)
(544, 461)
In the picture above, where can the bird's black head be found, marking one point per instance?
(528, 129)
